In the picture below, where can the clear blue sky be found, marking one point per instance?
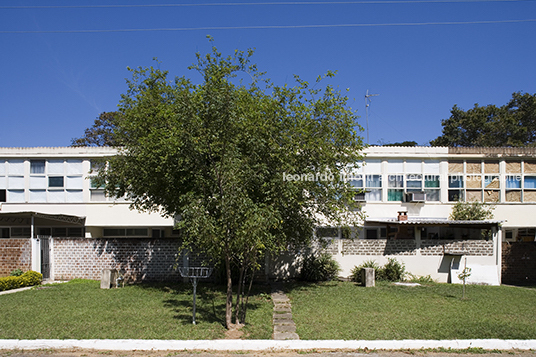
(61, 66)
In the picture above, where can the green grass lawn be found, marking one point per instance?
(338, 310)
(81, 310)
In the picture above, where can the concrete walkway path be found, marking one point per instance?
(284, 326)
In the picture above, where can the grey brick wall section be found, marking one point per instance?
(409, 247)
(378, 247)
(465, 247)
(15, 253)
(138, 258)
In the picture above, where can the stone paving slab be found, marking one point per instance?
(284, 326)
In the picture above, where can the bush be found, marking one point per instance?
(419, 279)
(16, 272)
(29, 278)
(356, 271)
(393, 271)
(319, 268)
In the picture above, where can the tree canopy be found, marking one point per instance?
(101, 133)
(247, 168)
(511, 125)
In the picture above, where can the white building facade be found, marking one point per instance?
(47, 197)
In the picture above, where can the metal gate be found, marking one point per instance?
(45, 256)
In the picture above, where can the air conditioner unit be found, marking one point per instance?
(360, 197)
(415, 197)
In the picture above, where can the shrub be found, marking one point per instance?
(29, 278)
(393, 271)
(319, 268)
(356, 271)
(419, 279)
(16, 272)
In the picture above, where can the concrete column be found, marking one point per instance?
(367, 277)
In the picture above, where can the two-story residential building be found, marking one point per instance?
(55, 220)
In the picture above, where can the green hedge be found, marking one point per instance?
(29, 278)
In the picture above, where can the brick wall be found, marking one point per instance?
(465, 247)
(15, 253)
(519, 263)
(138, 258)
(378, 247)
(409, 247)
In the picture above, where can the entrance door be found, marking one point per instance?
(45, 256)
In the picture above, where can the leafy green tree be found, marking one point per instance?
(247, 168)
(101, 133)
(471, 211)
(512, 125)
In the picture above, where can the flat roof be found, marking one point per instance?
(40, 219)
(435, 222)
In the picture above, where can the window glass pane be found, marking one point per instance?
(2, 167)
(59, 232)
(374, 181)
(44, 231)
(413, 166)
(432, 195)
(38, 196)
(431, 166)
(15, 167)
(74, 167)
(75, 232)
(15, 182)
(395, 166)
(373, 195)
(21, 232)
(491, 181)
(414, 181)
(357, 181)
(137, 232)
(373, 166)
(56, 196)
(55, 167)
(395, 195)
(431, 181)
(396, 181)
(97, 196)
(3, 182)
(38, 182)
(113, 232)
(327, 232)
(15, 196)
(530, 181)
(455, 182)
(74, 196)
(55, 181)
(372, 233)
(513, 182)
(455, 195)
(513, 196)
(3, 196)
(76, 182)
(37, 166)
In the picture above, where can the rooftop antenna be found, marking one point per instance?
(367, 103)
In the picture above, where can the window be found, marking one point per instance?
(21, 232)
(55, 181)
(4, 232)
(373, 184)
(37, 166)
(456, 185)
(371, 233)
(327, 232)
(125, 232)
(2, 195)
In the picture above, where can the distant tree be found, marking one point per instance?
(101, 133)
(247, 169)
(511, 125)
(403, 143)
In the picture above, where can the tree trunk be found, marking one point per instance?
(229, 301)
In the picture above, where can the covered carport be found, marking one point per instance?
(40, 228)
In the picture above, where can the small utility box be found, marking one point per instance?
(109, 277)
(367, 277)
